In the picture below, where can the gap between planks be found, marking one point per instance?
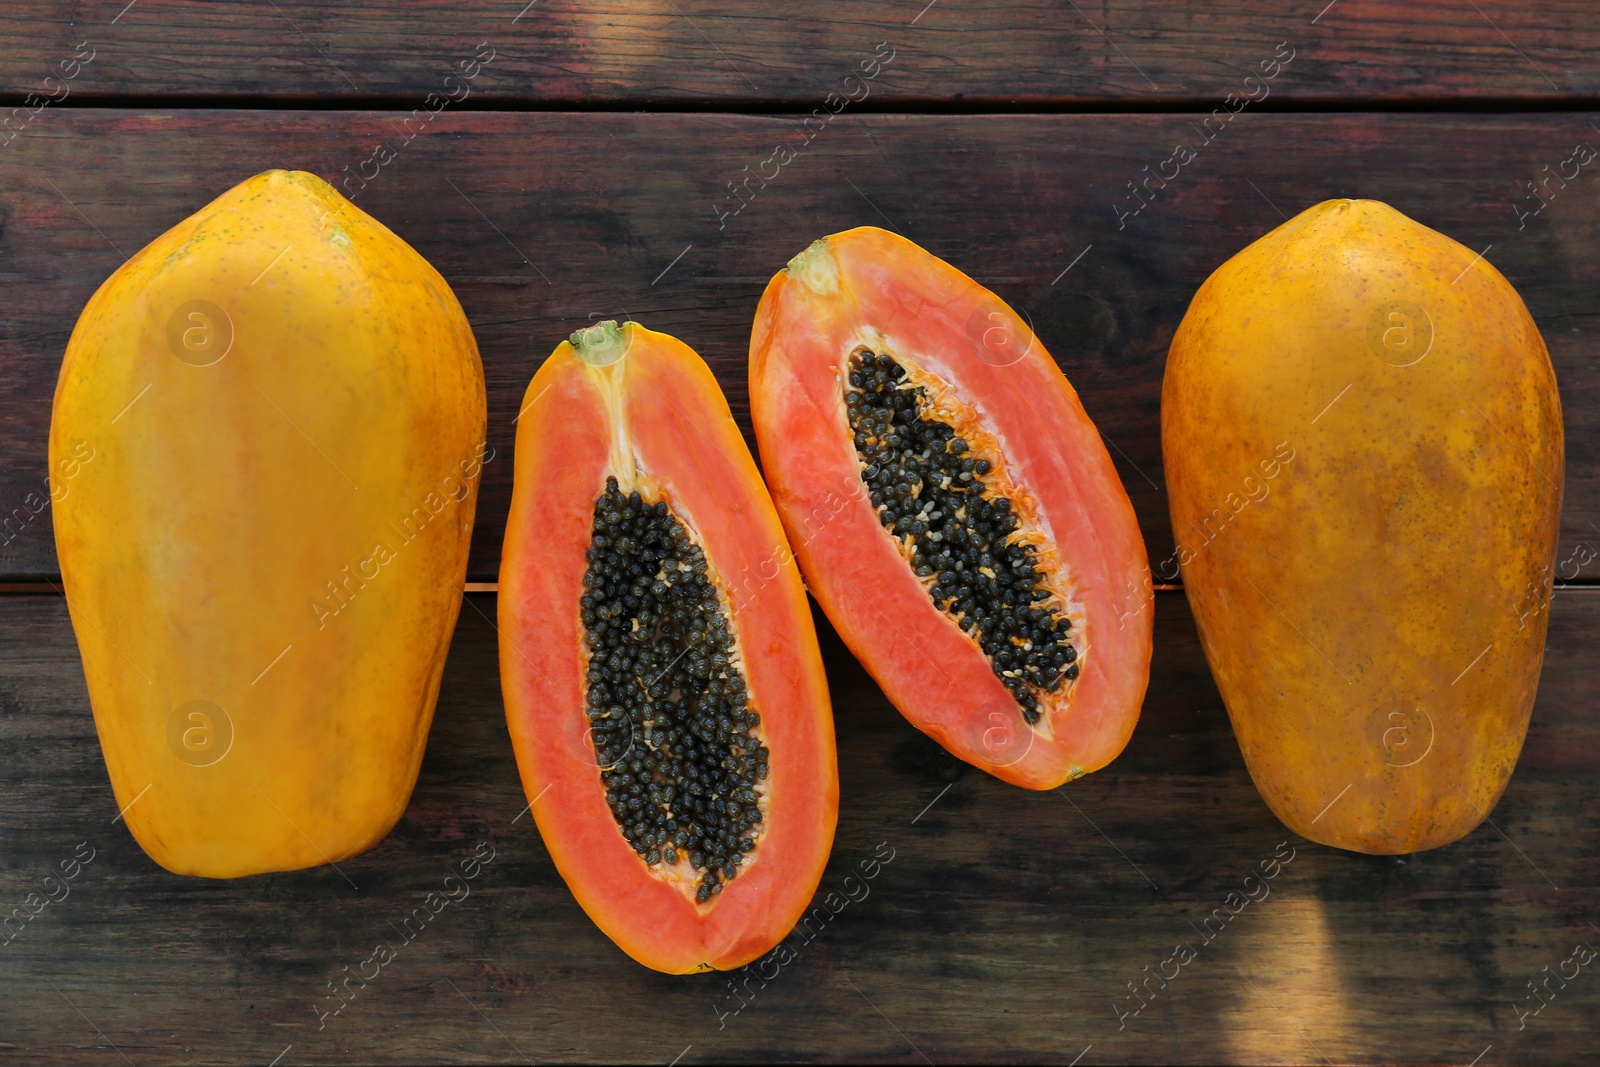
(21, 588)
(781, 107)
(29, 588)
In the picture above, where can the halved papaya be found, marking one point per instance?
(662, 680)
(952, 507)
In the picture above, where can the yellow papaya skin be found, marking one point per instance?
(265, 446)
(1364, 461)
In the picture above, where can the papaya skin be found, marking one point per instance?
(286, 412)
(1372, 609)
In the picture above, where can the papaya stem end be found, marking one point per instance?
(601, 344)
(816, 268)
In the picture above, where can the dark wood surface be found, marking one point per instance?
(581, 177)
(546, 222)
(1003, 929)
(728, 54)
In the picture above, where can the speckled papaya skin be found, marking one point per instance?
(1364, 460)
(266, 444)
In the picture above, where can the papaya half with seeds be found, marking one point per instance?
(1363, 448)
(952, 507)
(283, 413)
(662, 680)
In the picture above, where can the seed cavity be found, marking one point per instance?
(959, 532)
(675, 734)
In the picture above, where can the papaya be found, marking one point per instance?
(663, 685)
(952, 507)
(1363, 450)
(266, 441)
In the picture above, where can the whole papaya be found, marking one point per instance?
(266, 443)
(1363, 449)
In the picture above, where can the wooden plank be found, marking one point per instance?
(546, 222)
(1007, 925)
(724, 52)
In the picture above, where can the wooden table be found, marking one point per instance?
(584, 173)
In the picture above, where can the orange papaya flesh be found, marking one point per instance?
(656, 646)
(1003, 604)
(1363, 449)
(267, 435)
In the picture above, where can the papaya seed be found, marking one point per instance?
(671, 720)
(934, 496)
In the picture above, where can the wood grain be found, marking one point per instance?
(545, 222)
(1009, 925)
(722, 52)
(1006, 927)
